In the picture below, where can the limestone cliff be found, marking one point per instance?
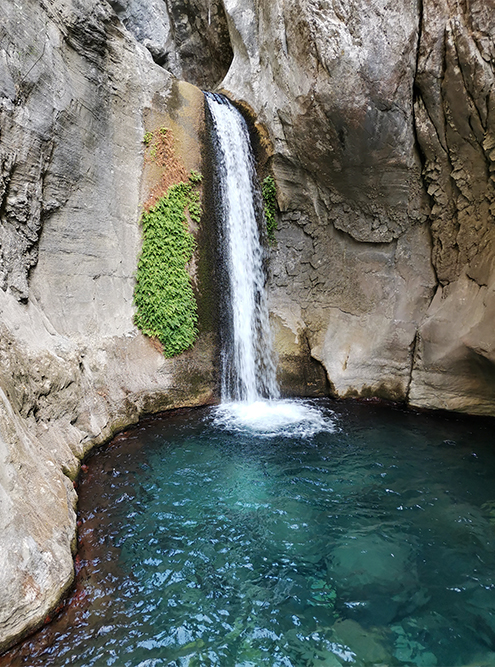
(382, 119)
(454, 103)
(377, 120)
(189, 38)
(77, 94)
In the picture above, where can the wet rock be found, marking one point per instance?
(381, 125)
(332, 84)
(378, 580)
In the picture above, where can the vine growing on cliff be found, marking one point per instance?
(269, 193)
(164, 298)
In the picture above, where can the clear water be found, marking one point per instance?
(367, 538)
(248, 369)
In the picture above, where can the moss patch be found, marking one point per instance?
(269, 192)
(166, 306)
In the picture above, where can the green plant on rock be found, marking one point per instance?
(164, 298)
(269, 193)
(195, 177)
(147, 138)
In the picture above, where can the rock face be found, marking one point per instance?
(189, 38)
(378, 123)
(454, 365)
(77, 94)
(381, 120)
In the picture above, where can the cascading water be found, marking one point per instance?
(248, 368)
(215, 546)
(250, 395)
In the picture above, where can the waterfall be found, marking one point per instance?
(248, 370)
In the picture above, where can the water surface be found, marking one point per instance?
(216, 538)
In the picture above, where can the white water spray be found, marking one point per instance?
(249, 371)
(250, 394)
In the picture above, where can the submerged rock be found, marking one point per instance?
(366, 645)
(378, 580)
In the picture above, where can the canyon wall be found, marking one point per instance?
(377, 121)
(381, 118)
(77, 95)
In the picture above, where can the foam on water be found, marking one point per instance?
(274, 418)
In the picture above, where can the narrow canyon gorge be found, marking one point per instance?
(376, 120)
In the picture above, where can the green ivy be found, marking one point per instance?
(166, 307)
(147, 138)
(269, 192)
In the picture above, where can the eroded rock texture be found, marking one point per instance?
(77, 94)
(352, 271)
(189, 38)
(455, 120)
(380, 115)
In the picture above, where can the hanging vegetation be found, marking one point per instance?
(166, 306)
(269, 192)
